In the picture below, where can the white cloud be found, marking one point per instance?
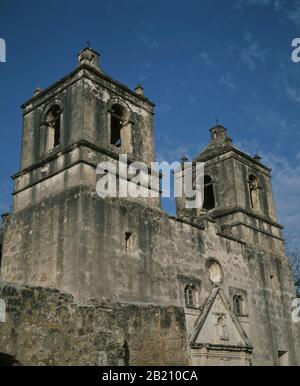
(293, 94)
(249, 3)
(286, 9)
(253, 54)
(148, 42)
(276, 4)
(227, 81)
(172, 149)
(256, 118)
(293, 13)
(249, 52)
(205, 57)
(163, 107)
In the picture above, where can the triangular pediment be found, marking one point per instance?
(218, 325)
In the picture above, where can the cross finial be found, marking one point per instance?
(88, 44)
(217, 121)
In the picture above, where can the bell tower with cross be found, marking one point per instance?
(237, 192)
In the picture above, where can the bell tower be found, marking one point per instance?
(237, 193)
(83, 119)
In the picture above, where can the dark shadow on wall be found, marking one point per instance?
(126, 354)
(8, 360)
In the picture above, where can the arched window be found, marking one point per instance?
(53, 127)
(120, 128)
(238, 305)
(116, 124)
(209, 197)
(189, 296)
(254, 191)
(129, 242)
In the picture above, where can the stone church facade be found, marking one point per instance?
(90, 280)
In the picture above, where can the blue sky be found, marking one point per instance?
(197, 60)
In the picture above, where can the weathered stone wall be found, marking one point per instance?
(39, 238)
(89, 260)
(75, 166)
(46, 327)
(62, 235)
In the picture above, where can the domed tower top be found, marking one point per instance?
(219, 134)
(89, 56)
(220, 142)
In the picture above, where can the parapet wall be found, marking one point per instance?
(45, 327)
